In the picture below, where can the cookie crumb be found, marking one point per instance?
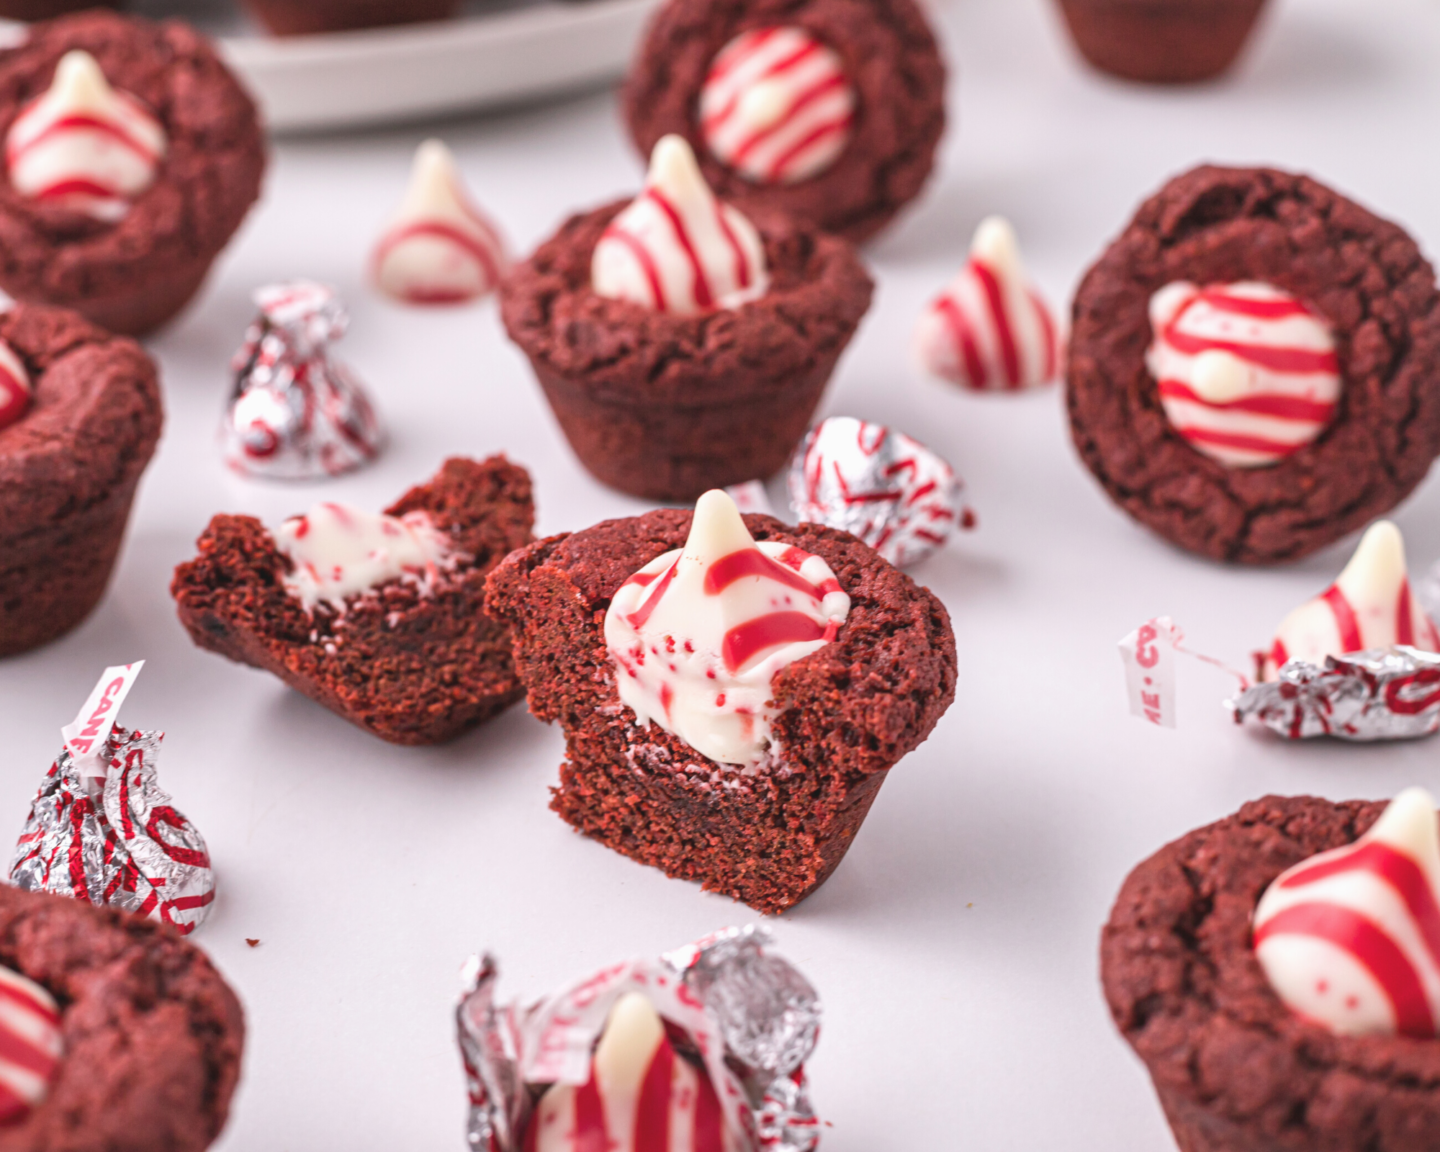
(252, 943)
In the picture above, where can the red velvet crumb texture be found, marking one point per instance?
(848, 712)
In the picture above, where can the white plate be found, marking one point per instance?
(493, 54)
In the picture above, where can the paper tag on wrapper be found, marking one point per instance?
(1148, 654)
(87, 735)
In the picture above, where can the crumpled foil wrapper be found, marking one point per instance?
(118, 841)
(295, 413)
(877, 484)
(746, 1013)
(1383, 694)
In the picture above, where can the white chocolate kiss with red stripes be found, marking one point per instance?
(15, 386)
(30, 1045)
(677, 249)
(439, 248)
(641, 1096)
(1350, 938)
(83, 144)
(1246, 373)
(698, 634)
(776, 106)
(1370, 605)
(990, 329)
(338, 552)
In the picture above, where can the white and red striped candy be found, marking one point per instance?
(1350, 939)
(1247, 374)
(676, 248)
(777, 106)
(1370, 605)
(15, 387)
(439, 248)
(641, 1096)
(698, 634)
(990, 329)
(30, 1045)
(83, 144)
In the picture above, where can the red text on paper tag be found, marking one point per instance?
(1148, 654)
(92, 726)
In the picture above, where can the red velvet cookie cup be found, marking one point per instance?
(134, 275)
(666, 407)
(892, 61)
(68, 469)
(848, 712)
(1235, 1069)
(307, 17)
(1364, 276)
(47, 9)
(152, 1035)
(1161, 41)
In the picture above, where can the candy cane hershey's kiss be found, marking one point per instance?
(1350, 938)
(676, 248)
(990, 329)
(1369, 606)
(1247, 374)
(776, 106)
(16, 391)
(439, 248)
(83, 144)
(641, 1095)
(698, 634)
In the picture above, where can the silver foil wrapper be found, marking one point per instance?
(1383, 694)
(117, 841)
(295, 413)
(746, 1013)
(879, 485)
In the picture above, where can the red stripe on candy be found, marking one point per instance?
(751, 562)
(742, 268)
(1297, 360)
(709, 1119)
(17, 996)
(13, 1106)
(1009, 354)
(590, 1131)
(1223, 301)
(1236, 440)
(1345, 619)
(1263, 404)
(1396, 869)
(15, 1049)
(77, 186)
(809, 140)
(1047, 329)
(652, 1110)
(809, 96)
(1371, 948)
(742, 51)
(646, 262)
(701, 286)
(441, 231)
(964, 338)
(747, 640)
(643, 613)
(83, 122)
(1404, 622)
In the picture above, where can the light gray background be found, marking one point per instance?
(955, 948)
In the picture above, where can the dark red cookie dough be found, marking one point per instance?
(152, 1034)
(68, 469)
(410, 668)
(665, 406)
(849, 712)
(1161, 41)
(1235, 1069)
(304, 17)
(134, 275)
(1368, 280)
(45, 9)
(891, 58)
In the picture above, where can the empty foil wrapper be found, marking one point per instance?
(1383, 694)
(295, 413)
(749, 1016)
(116, 840)
(877, 484)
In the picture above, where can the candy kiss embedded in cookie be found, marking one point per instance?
(990, 329)
(15, 387)
(777, 106)
(676, 248)
(698, 634)
(83, 144)
(439, 248)
(338, 551)
(1370, 605)
(1351, 938)
(640, 1097)
(1246, 373)
(30, 1045)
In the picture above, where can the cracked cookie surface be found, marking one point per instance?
(1235, 1069)
(1363, 275)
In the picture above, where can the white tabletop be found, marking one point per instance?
(955, 949)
